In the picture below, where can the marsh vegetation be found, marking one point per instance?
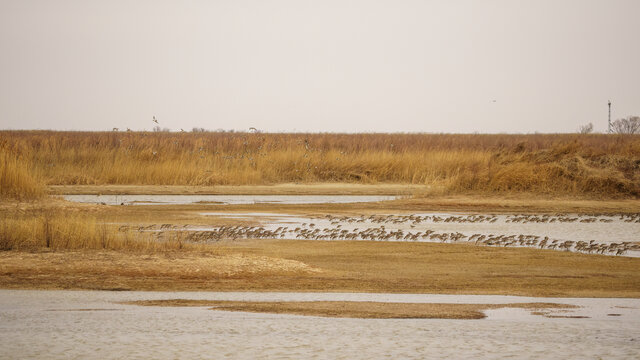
(585, 165)
(56, 244)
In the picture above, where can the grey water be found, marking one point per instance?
(92, 324)
(223, 199)
(599, 229)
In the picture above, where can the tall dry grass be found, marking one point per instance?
(15, 180)
(58, 229)
(64, 230)
(594, 165)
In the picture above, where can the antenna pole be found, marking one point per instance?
(609, 116)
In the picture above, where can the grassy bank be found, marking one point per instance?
(597, 166)
(320, 266)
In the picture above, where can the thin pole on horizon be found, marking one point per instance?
(609, 131)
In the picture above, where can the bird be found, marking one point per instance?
(155, 120)
(253, 129)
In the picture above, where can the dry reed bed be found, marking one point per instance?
(15, 180)
(584, 165)
(45, 226)
(59, 229)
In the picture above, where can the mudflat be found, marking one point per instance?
(356, 309)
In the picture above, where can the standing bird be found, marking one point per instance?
(155, 120)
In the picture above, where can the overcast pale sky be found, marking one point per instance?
(326, 65)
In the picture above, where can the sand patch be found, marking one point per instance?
(358, 309)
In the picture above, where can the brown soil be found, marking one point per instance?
(334, 266)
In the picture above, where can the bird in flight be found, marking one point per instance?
(155, 120)
(253, 129)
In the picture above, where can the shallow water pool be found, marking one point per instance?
(90, 324)
(223, 199)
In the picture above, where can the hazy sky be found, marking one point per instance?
(285, 65)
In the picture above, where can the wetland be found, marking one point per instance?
(303, 250)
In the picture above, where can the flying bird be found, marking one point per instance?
(253, 129)
(155, 120)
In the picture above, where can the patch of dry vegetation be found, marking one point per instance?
(44, 225)
(129, 270)
(63, 230)
(15, 180)
(592, 165)
(359, 309)
(571, 168)
(48, 224)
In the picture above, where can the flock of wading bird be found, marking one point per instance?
(335, 231)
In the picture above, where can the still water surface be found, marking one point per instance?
(90, 324)
(615, 231)
(223, 199)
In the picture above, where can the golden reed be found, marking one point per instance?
(594, 165)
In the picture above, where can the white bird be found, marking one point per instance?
(155, 120)
(253, 129)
